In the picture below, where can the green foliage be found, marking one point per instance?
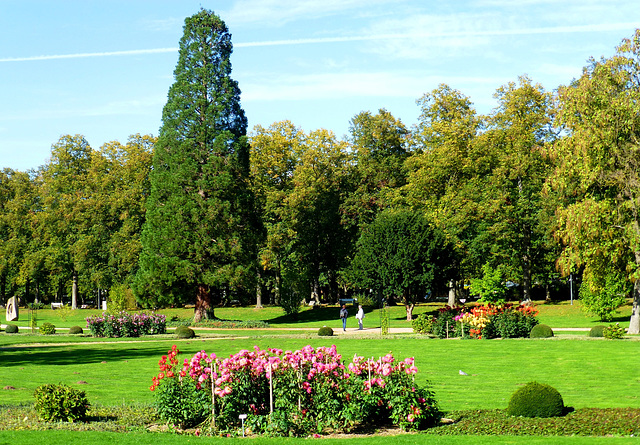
(11, 329)
(404, 255)
(512, 323)
(196, 239)
(423, 324)
(184, 332)
(536, 400)
(583, 422)
(384, 321)
(613, 332)
(325, 331)
(121, 298)
(602, 297)
(73, 330)
(47, 329)
(597, 331)
(64, 312)
(541, 331)
(180, 403)
(444, 325)
(33, 321)
(490, 286)
(60, 402)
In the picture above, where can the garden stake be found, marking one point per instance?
(270, 388)
(213, 397)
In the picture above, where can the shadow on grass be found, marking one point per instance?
(77, 354)
(316, 315)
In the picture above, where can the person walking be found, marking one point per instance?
(360, 317)
(343, 315)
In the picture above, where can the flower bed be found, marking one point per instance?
(291, 392)
(488, 321)
(124, 324)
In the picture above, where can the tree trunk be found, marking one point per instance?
(204, 304)
(452, 301)
(74, 291)
(634, 322)
(315, 290)
(258, 288)
(409, 308)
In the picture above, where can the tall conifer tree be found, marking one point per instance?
(193, 246)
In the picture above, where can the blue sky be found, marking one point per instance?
(102, 68)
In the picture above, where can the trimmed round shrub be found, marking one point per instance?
(11, 329)
(541, 331)
(75, 330)
(597, 331)
(47, 329)
(325, 331)
(536, 400)
(60, 402)
(184, 332)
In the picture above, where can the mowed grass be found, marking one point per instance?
(557, 315)
(53, 437)
(588, 372)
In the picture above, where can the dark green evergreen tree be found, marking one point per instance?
(194, 243)
(403, 255)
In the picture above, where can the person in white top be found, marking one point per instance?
(360, 316)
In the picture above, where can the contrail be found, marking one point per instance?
(397, 36)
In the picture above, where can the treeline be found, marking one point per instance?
(546, 185)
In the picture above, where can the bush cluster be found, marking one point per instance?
(184, 332)
(536, 400)
(486, 321)
(613, 332)
(60, 402)
(11, 329)
(325, 331)
(220, 324)
(312, 391)
(124, 324)
(597, 331)
(47, 329)
(541, 331)
(73, 330)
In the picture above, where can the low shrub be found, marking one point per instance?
(597, 331)
(613, 332)
(75, 330)
(325, 331)
(536, 400)
(11, 329)
(423, 324)
(47, 329)
(184, 332)
(541, 331)
(60, 402)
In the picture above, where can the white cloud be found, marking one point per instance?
(280, 12)
(354, 84)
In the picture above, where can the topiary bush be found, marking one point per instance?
(184, 332)
(47, 329)
(541, 331)
(60, 402)
(536, 400)
(325, 331)
(11, 329)
(75, 330)
(597, 331)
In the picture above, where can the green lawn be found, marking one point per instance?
(587, 372)
(556, 315)
(54, 437)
